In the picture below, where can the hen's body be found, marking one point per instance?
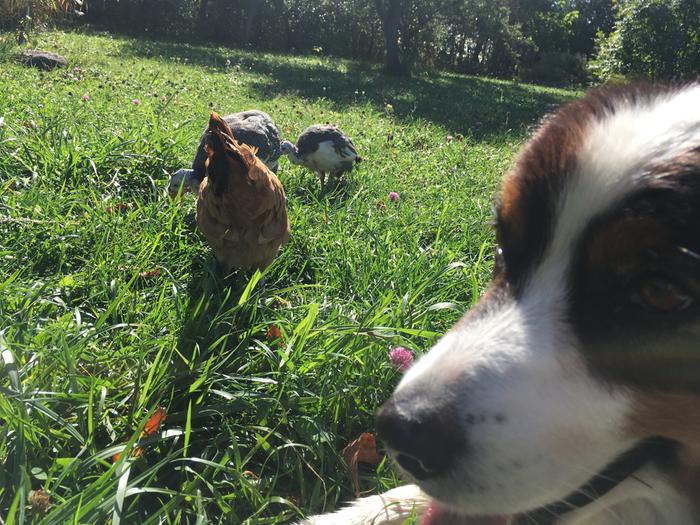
(241, 206)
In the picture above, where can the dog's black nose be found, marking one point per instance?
(424, 442)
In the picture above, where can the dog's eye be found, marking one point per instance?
(661, 294)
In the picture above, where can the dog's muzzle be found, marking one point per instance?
(424, 442)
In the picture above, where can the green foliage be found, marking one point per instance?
(348, 28)
(542, 41)
(91, 343)
(594, 16)
(560, 39)
(502, 38)
(21, 14)
(557, 69)
(654, 39)
(550, 25)
(8, 46)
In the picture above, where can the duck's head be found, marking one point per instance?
(287, 148)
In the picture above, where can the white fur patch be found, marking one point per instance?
(391, 508)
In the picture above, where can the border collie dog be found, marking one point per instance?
(570, 394)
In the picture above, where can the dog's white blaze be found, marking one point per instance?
(612, 161)
(445, 359)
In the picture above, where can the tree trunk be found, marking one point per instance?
(202, 15)
(281, 10)
(252, 11)
(460, 51)
(28, 17)
(390, 12)
(477, 65)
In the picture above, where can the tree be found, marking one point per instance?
(655, 39)
(477, 36)
(202, 14)
(389, 12)
(593, 16)
(538, 40)
(21, 15)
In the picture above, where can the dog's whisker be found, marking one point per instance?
(615, 515)
(688, 252)
(642, 481)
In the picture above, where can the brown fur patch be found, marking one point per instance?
(622, 243)
(539, 172)
(675, 416)
(672, 415)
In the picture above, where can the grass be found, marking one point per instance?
(110, 307)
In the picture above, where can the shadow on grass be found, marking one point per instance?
(482, 108)
(211, 294)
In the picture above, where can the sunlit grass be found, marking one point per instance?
(110, 305)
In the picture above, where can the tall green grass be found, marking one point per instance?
(110, 305)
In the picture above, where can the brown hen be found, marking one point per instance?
(241, 206)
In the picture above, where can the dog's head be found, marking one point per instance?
(582, 360)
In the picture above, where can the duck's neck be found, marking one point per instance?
(294, 158)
